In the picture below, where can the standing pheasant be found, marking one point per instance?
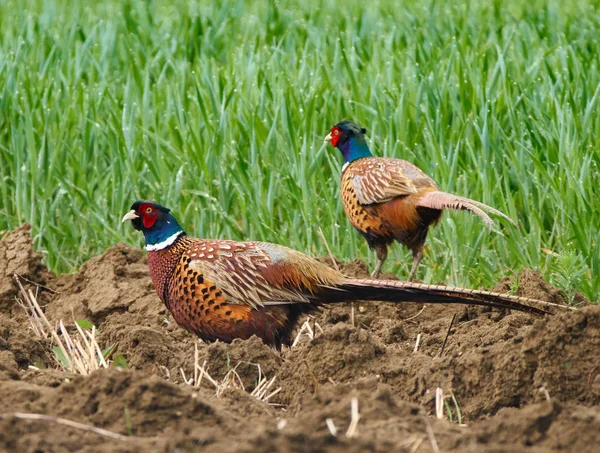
(389, 199)
(222, 290)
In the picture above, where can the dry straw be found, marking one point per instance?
(263, 391)
(79, 353)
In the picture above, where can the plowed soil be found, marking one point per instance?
(515, 383)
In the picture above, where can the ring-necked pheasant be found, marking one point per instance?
(388, 199)
(222, 290)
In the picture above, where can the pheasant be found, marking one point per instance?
(389, 199)
(222, 290)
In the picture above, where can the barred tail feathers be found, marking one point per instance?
(399, 291)
(443, 200)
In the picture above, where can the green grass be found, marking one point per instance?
(219, 112)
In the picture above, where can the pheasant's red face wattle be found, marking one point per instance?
(335, 136)
(148, 214)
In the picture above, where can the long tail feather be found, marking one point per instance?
(399, 291)
(443, 200)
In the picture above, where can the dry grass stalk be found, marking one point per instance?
(414, 443)
(186, 381)
(263, 391)
(231, 381)
(413, 317)
(439, 403)
(333, 262)
(431, 435)
(544, 390)
(37, 320)
(198, 372)
(65, 422)
(204, 374)
(447, 335)
(331, 427)
(354, 418)
(307, 330)
(417, 343)
(79, 354)
(167, 372)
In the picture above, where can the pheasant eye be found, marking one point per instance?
(336, 132)
(148, 210)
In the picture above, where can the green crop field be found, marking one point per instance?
(218, 110)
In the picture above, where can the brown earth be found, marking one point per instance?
(520, 383)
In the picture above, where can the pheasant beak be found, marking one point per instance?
(131, 215)
(328, 138)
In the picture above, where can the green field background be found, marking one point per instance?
(218, 110)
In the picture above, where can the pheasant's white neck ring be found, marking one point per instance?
(164, 244)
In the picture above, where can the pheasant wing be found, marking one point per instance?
(259, 273)
(381, 179)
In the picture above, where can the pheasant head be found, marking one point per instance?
(159, 227)
(350, 140)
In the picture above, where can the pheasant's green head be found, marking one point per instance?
(350, 140)
(159, 227)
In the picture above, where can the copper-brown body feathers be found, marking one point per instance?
(389, 200)
(222, 290)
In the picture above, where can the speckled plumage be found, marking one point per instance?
(389, 199)
(222, 290)
(368, 183)
(219, 289)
